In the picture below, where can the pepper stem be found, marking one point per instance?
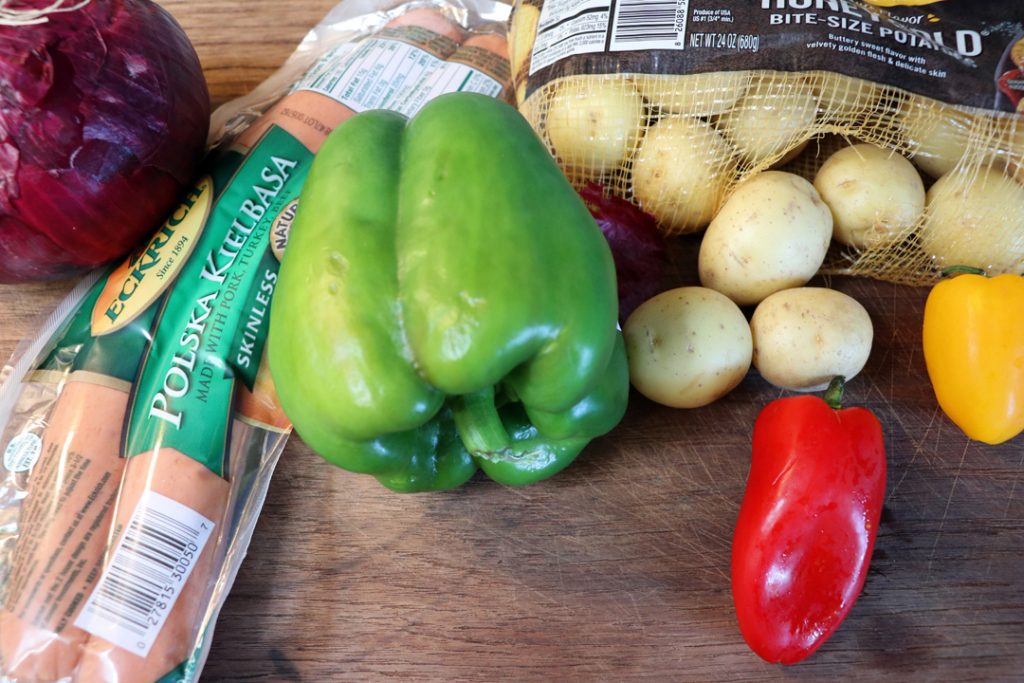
(962, 270)
(479, 424)
(834, 394)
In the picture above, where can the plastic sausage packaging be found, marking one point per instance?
(672, 105)
(139, 429)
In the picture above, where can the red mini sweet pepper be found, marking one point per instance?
(807, 524)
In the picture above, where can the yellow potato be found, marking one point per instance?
(522, 33)
(680, 173)
(687, 347)
(594, 123)
(803, 337)
(976, 219)
(775, 116)
(876, 196)
(936, 134)
(707, 94)
(771, 234)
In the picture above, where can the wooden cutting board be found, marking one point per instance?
(618, 568)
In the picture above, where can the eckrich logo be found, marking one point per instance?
(143, 277)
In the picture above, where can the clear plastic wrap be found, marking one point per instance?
(140, 427)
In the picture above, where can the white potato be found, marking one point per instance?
(804, 337)
(771, 234)
(594, 123)
(681, 171)
(706, 94)
(687, 347)
(975, 219)
(775, 118)
(936, 134)
(876, 196)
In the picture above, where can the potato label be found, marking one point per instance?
(962, 53)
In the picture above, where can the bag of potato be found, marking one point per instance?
(672, 104)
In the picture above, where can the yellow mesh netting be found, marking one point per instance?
(677, 146)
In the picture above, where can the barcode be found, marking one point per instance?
(146, 573)
(646, 25)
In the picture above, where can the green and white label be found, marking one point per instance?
(213, 323)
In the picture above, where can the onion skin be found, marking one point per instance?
(104, 114)
(638, 248)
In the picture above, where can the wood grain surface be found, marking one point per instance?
(618, 568)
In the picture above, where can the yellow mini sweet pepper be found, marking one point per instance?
(974, 348)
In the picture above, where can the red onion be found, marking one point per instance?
(638, 248)
(104, 114)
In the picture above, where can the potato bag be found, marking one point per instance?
(672, 104)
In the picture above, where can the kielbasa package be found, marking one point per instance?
(140, 429)
(672, 105)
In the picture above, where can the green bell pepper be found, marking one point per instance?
(446, 302)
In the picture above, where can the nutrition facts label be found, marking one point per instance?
(390, 74)
(575, 27)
